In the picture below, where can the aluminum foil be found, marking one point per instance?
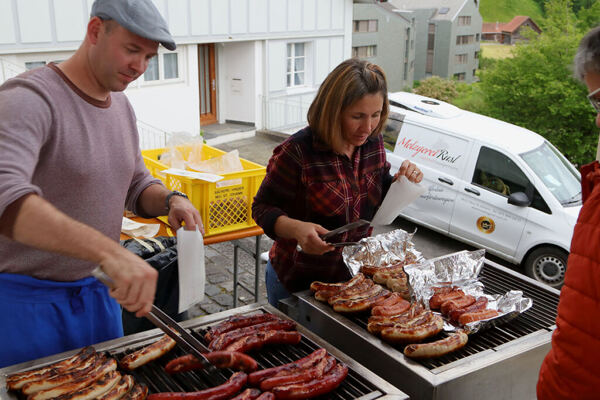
(380, 250)
(462, 269)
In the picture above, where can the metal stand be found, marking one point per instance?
(237, 244)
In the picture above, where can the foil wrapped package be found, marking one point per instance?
(381, 250)
(462, 269)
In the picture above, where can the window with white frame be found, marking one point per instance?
(365, 25)
(364, 51)
(164, 67)
(296, 64)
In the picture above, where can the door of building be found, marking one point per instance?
(208, 83)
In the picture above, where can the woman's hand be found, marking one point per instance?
(306, 234)
(411, 171)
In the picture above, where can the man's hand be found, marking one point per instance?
(182, 210)
(134, 281)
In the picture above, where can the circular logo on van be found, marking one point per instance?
(486, 225)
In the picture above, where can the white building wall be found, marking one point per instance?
(35, 30)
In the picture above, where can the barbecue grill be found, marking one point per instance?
(500, 363)
(359, 384)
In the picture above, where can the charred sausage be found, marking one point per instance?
(248, 394)
(314, 388)
(237, 321)
(305, 375)
(413, 334)
(148, 353)
(259, 339)
(225, 339)
(437, 348)
(120, 389)
(221, 392)
(256, 377)
(220, 359)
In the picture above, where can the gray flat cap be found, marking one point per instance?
(137, 16)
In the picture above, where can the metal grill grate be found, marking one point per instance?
(541, 315)
(157, 380)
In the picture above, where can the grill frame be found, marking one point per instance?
(382, 389)
(502, 371)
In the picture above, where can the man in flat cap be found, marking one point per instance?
(69, 164)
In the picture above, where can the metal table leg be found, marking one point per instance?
(256, 254)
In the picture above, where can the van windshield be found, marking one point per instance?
(557, 173)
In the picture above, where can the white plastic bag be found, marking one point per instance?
(192, 276)
(402, 192)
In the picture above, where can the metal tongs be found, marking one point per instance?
(342, 229)
(166, 324)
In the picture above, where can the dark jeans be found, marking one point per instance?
(275, 290)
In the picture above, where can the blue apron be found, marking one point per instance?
(40, 318)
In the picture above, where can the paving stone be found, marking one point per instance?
(223, 299)
(212, 308)
(212, 290)
(217, 278)
(210, 252)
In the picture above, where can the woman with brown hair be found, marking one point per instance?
(326, 175)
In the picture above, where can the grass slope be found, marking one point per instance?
(505, 10)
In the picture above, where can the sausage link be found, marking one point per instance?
(480, 304)
(139, 392)
(314, 388)
(437, 348)
(413, 334)
(220, 359)
(256, 377)
(148, 353)
(225, 339)
(248, 394)
(96, 389)
(394, 309)
(259, 339)
(221, 392)
(477, 316)
(266, 396)
(235, 322)
(361, 304)
(322, 367)
(437, 299)
(451, 305)
(421, 319)
(18, 380)
(351, 291)
(120, 389)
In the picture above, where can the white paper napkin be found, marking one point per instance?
(138, 229)
(190, 259)
(402, 192)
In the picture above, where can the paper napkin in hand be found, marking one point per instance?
(192, 276)
(402, 192)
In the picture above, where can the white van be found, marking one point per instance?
(490, 184)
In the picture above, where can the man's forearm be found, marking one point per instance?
(152, 200)
(33, 221)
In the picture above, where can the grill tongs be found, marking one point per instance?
(342, 229)
(161, 320)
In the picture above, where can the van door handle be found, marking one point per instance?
(475, 192)
(446, 180)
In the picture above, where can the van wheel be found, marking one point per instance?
(547, 265)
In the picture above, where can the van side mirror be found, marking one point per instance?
(519, 199)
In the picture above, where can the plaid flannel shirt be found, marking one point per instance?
(308, 182)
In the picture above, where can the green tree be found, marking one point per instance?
(588, 18)
(437, 88)
(536, 88)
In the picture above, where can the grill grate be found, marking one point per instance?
(157, 380)
(541, 316)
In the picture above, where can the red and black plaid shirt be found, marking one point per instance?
(308, 182)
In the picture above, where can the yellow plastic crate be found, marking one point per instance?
(223, 209)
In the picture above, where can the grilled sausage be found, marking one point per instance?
(480, 304)
(437, 348)
(394, 309)
(237, 321)
(139, 392)
(96, 389)
(371, 270)
(259, 339)
(64, 377)
(224, 391)
(469, 317)
(220, 359)
(414, 310)
(421, 319)
(256, 377)
(305, 375)
(266, 396)
(351, 291)
(413, 334)
(119, 390)
(437, 299)
(248, 394)
(360, 304)
(148, 353)
(392, 299)
(18, 380)
(225, 339)
(451, 305)
(314, 388)
(326, 292)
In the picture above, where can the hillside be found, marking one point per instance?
(505, 10)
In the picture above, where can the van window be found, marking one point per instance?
(391, 130)
(498, 173)
(557, 174)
